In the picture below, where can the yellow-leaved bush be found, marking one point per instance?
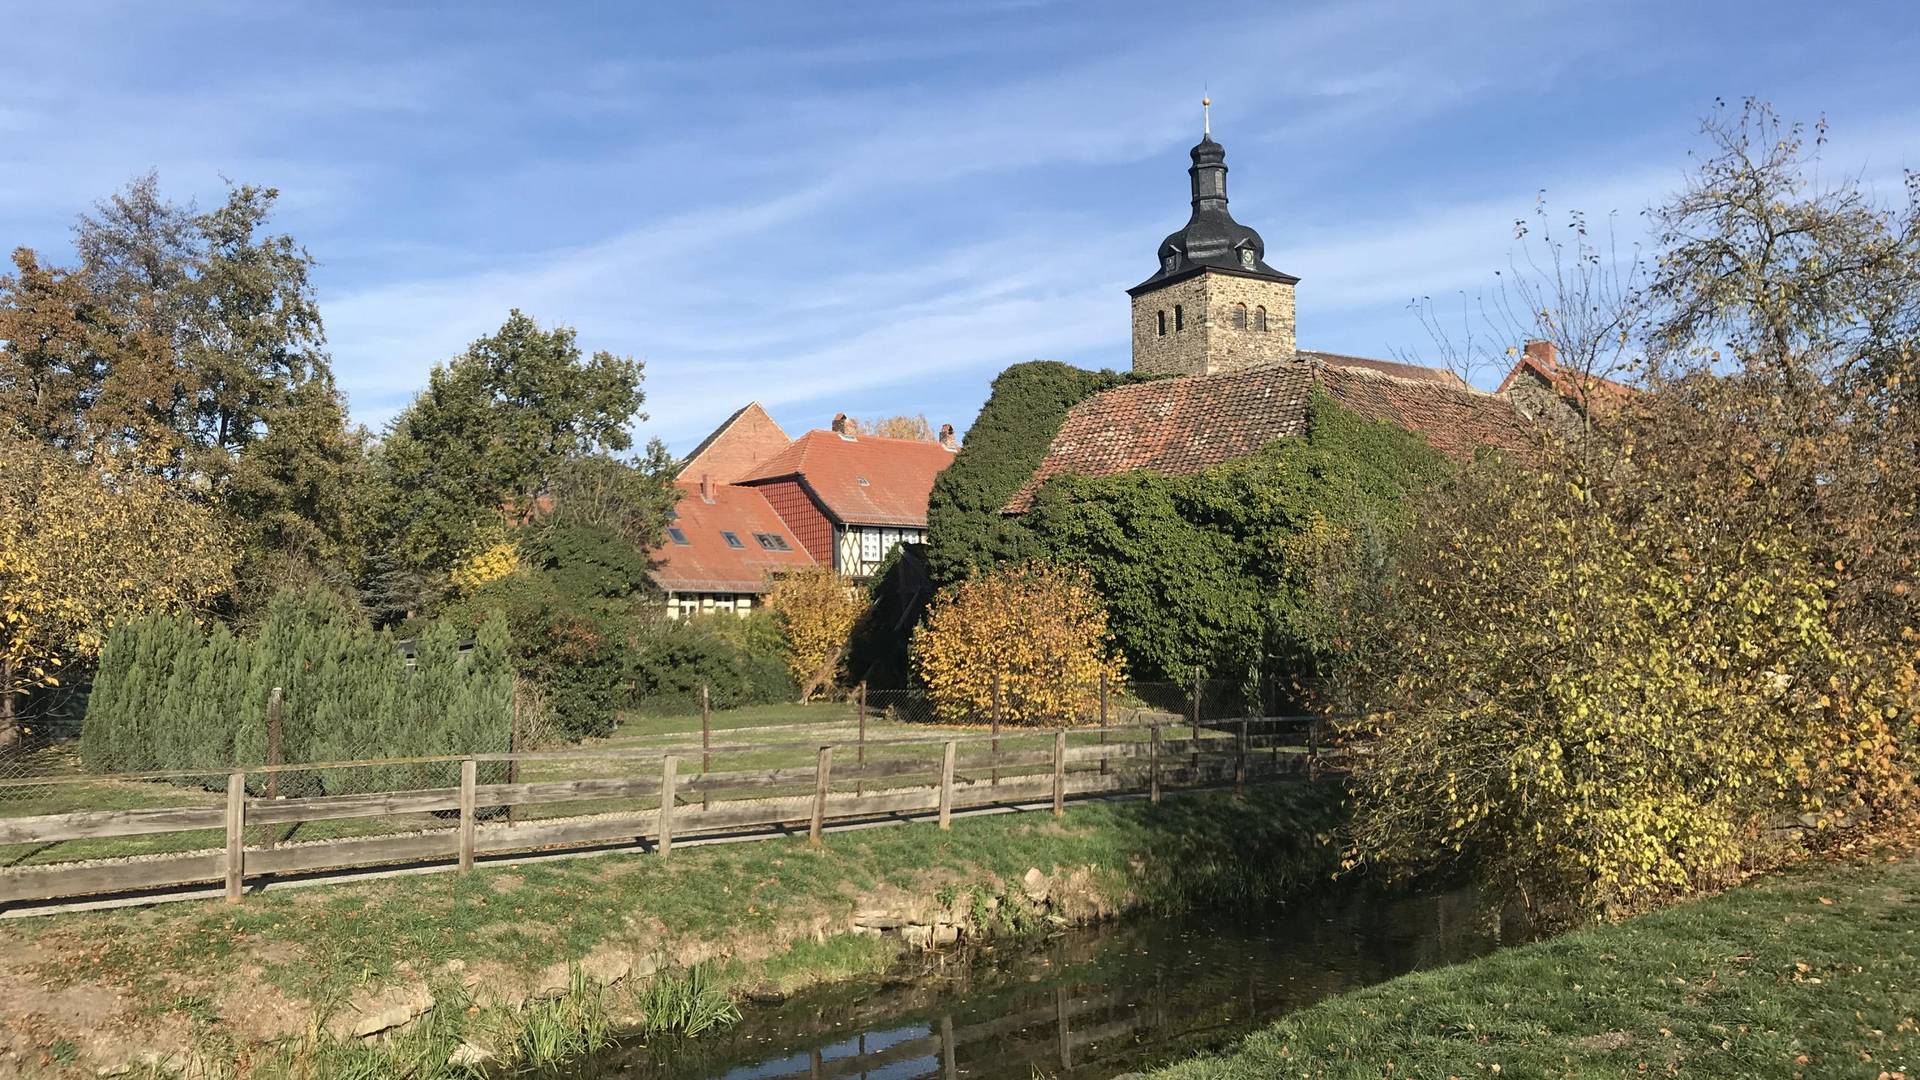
(816, 610)
(1037, 631)
(1599, 702)
(488, 563)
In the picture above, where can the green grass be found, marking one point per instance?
(1811, 974)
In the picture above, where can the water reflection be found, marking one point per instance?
(1087, 1003)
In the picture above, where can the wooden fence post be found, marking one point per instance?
(822, 777)
(1153, 762)
(469, 774)
(993, 746)
(1240, 760)
(276, 749)
(706, 736)
(514, 740)
(1060, 772)
(1196, 721)
(669, 779)
(860, 720)
(1103, 722)
(1313, 749)
(236, 834)
(946, 784)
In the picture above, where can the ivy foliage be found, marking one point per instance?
(966, 533)
(1224, 570)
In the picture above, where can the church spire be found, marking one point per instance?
(1212, 239)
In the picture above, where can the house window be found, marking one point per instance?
(1163, 322)
(679, 536)
(869, 545)
(1179, 319)
(732, 540)
(1239, 316)
(772, 541)
(1260, 319)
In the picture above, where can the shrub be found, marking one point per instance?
(172, 696)
(1033, 633)
(573, 653)
(740, 660)
(815, 609)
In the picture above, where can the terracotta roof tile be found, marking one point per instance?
(1395, 368)
(706, 562)
(862, 479)
(1185, 425)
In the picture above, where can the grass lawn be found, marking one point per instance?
(1814, 973)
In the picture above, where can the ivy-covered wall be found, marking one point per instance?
(1223, 570)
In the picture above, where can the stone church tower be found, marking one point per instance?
(1214, 304)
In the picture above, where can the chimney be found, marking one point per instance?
(946, 437)
(1543, 353)
(840, 424)
(706, 488)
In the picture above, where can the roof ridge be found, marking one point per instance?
(1462, 387)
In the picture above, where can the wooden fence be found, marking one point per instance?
(455, 825)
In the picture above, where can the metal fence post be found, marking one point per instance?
(1240, 760)
(946, 784)
(822, 778)
(1313, 749)
(514, 742)
(469, 774)
(276, 749)
(236, 834)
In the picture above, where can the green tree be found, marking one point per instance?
(491, 429)
(966, 532)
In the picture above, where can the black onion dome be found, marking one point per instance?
(1211, 240)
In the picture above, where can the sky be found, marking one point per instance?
(873, 208)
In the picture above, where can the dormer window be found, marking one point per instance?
(1246, 258)
(1170, 262)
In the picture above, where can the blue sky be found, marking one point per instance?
(873, 208)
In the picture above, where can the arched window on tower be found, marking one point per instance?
(1239, 316)
(1163, 322)
(1179, 319)
(1260, 319)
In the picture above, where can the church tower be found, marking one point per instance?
(1214, 304)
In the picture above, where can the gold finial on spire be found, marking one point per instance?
(1206, 117)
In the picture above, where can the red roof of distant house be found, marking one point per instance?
(1416, 372)
(706, 562)
(1185, 425)
(1541, 360)
(861, 479)
(742, 440)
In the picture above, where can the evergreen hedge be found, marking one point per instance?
(171, 696)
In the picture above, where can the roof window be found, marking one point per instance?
(732, 540)
(773, 541)
(678, 535)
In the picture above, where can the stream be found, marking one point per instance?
(1086, 1003)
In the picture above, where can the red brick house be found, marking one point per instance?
(852, 498)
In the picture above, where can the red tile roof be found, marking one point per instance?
(1582, 390)
(1416, 372)
(861, 479)
(1185, 425)
(743, 440)
(707, 563)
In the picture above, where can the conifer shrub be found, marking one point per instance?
(740, 661)
(172, 696)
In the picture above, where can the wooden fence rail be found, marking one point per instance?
(456, 825)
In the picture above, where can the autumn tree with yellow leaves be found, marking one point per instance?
(1034, 633)
(1678, 646)
(83, 548)
(816, 610)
